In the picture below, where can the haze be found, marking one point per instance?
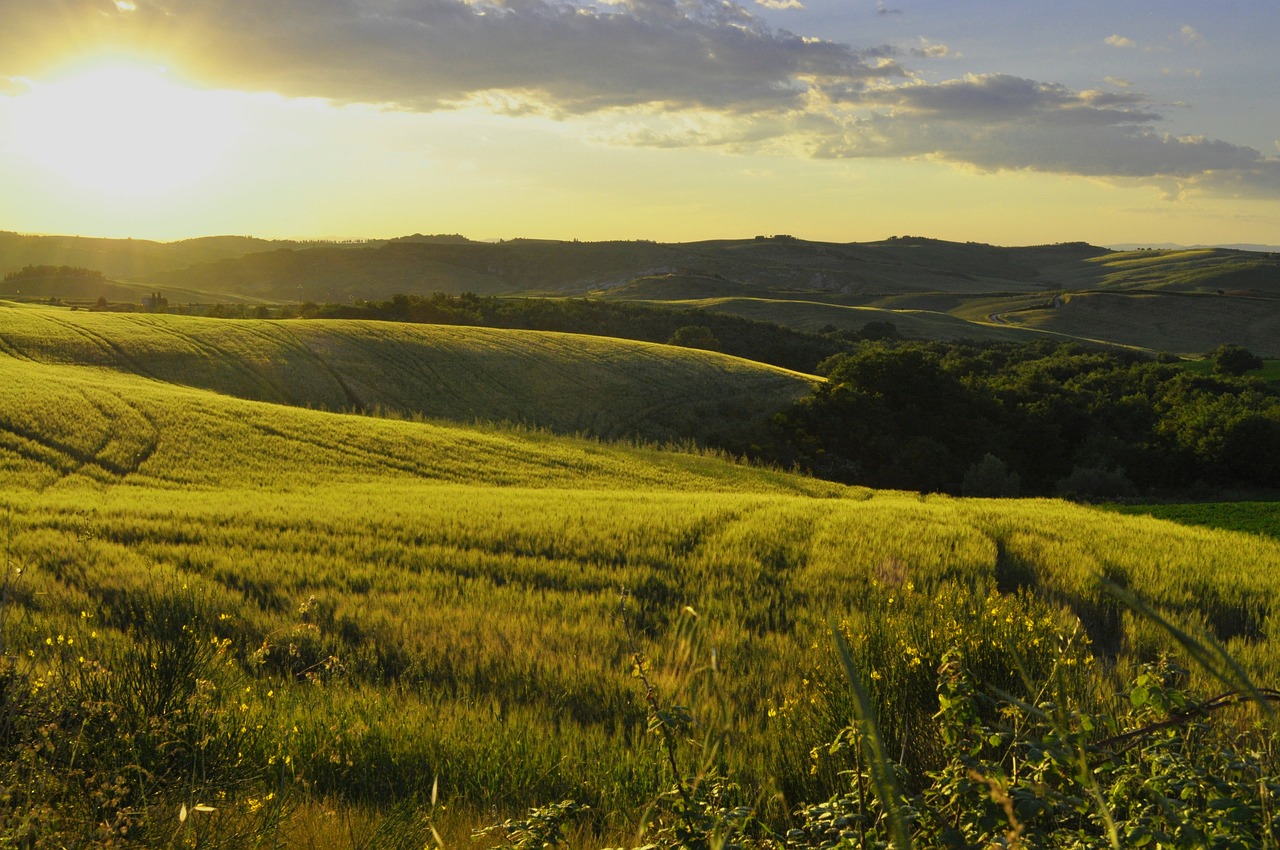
(665, 119)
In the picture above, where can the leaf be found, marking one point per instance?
(883, 779)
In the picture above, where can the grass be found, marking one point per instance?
(1270, 371)
(1252, 517)
(382, 609)
(563, 382)
(1186, 324)
(815, 316)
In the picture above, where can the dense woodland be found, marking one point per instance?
(1060, 419)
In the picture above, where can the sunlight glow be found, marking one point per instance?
(125, 132)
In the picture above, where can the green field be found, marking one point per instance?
(1253, 517)
(324, 628)
(567, 383)
(1270, 371)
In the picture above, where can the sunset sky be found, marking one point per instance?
(1110, 121)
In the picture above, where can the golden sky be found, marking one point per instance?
(674, 120)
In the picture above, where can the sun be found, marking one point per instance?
(125, 131)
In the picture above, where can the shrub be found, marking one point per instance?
(1229, 359)
(991, 477)
(1092, 482)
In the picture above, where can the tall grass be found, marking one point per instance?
(283, 612)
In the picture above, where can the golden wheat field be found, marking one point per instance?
(383, 613)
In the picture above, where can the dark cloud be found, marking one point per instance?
(1000, 97)
(732, 81)
(429, 54)
(1004, 123)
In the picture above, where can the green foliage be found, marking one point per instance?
(1044, 770)
(1255, 517)
(990, 477)
(1091, 483)
(1229, 359)
(1064, 418)
(695, 336)
(542, 827)
(762, 341)
(29, 273)
(134, 727)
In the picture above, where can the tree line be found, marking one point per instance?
(765, 342)
(1042, 418)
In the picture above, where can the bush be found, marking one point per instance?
(1235, 360)
(1094, 482)
(695, 336)
(991, 477)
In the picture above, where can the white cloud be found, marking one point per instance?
(1118, 82)
(1189, 35)
(780, 4)
(933, 50)
(1119, 41)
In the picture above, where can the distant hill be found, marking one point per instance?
(122, 258)
(932, 288)
(1173, 246)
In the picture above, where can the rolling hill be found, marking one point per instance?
(563, 382)
(966, 290)
(336, 616)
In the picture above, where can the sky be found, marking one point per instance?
(1012, 123)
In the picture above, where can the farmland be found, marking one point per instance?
(416, 622)
(566, 383)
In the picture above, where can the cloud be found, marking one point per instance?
(933, 50)
(882, 9)
(432, 54)
(687, 73)
(1190, 36)
(780, 4)
(992, 123)
(996, 98)
(1118, 82)
(999, 122)
(1119, 41)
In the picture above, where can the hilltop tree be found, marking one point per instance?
(695, 336)
(1229, 359)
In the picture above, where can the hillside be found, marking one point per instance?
(122, 258)
(979, 291)
(564, 382)
(340, 617)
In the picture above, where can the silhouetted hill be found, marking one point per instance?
(953, 290)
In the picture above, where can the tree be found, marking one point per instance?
(1229, 359)
(695, 336)
(990, 477)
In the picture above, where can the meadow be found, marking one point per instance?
(563, 382)
(230, 621)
